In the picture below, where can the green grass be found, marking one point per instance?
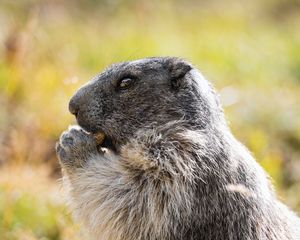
(32, 206)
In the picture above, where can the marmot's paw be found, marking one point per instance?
(74, 147)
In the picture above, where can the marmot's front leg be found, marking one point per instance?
(75, 147)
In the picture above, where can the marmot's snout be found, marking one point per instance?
(73, 107)
(80, 98)
(82, 106)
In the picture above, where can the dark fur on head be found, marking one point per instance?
(172, 170)
(162, 92)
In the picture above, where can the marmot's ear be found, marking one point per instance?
(177, 69)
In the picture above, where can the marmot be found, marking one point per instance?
(168, 167)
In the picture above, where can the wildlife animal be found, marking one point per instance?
(152, 158)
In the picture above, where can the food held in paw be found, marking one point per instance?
(99, 138)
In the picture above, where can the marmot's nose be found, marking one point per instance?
(74, 106)
(80, 98)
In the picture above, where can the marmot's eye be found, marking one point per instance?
(125, 83)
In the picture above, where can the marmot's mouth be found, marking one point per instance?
(103, 140)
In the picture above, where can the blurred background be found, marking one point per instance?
(250, 50)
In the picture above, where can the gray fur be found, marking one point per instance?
(174, 170)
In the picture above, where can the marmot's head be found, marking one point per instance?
(130, 96)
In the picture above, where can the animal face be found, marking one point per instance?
(134, 95)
